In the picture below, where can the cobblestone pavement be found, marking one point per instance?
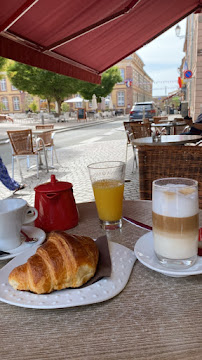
(72, 167)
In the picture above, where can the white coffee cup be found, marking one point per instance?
(13, 214)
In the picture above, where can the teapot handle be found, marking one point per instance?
(51, 195)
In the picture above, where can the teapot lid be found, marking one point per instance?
(53, 185)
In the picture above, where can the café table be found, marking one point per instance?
(154, 317)
(167, 140)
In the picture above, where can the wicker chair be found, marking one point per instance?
(134, 130)
(168, 161)
(140, 130)
(130, 137)
(47, 139)
(22, 146)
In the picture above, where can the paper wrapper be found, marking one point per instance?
(104, 266)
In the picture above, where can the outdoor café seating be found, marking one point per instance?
(168, 161)
(22, 147)
(5, 118)
(158, 119)
(135, 131)
(46, 139)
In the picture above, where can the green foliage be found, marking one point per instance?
(109, 79)
(55, 87)
(65, 107)
(2, 107)
(33, 107)
(2, 63)
(176, 101)
(45, 84)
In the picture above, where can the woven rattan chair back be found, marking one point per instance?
(21, 141)
(47, 138)
(128, 131)
(140, 130)
(168, 161)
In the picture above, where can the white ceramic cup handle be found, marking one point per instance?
(31, 215)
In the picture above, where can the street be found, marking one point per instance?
(99, 132)
(76, 149)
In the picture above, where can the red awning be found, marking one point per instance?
(82, 39)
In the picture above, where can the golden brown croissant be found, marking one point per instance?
(62, 261)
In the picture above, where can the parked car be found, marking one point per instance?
(149, 108)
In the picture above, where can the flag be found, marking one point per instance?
(179, 81)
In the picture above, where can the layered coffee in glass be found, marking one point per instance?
(175, 215)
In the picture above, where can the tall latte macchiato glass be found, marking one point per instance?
(108, 186)
(175, 215)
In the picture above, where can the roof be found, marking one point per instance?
(82, 39)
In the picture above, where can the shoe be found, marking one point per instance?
(22, 186)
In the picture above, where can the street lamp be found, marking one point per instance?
(177, 32)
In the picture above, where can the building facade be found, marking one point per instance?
(136, 85)
(14, 101)
(192, 87)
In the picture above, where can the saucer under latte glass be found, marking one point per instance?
(108, 186)
(175, 215)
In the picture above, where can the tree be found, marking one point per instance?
(109, 78)
(45, 84)
(2, 63)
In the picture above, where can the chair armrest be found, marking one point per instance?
(52, 135)
(37, 141)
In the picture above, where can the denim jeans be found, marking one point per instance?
(5, 178)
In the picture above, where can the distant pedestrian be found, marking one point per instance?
(8, 182)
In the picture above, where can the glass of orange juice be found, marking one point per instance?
(107, 179)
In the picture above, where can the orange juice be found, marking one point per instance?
(109, 199)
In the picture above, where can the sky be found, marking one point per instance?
(162, 58)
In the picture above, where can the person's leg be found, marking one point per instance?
(5, 178)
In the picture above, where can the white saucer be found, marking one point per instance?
(144, 252)
(32, 232)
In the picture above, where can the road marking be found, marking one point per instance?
(92, 140)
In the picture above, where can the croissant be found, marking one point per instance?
(62, 261)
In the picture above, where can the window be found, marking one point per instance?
(120, 98)
(78, 105)
(3, 84)
(122, 73)
(13, 87)
(16, 103)
(5, 103)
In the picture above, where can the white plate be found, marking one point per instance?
(144, 251)
(122, 259)
(32, 232)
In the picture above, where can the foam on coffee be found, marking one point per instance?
(164, 201)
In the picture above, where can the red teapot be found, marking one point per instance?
(56, 206)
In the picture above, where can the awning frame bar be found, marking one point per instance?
(18, 14)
